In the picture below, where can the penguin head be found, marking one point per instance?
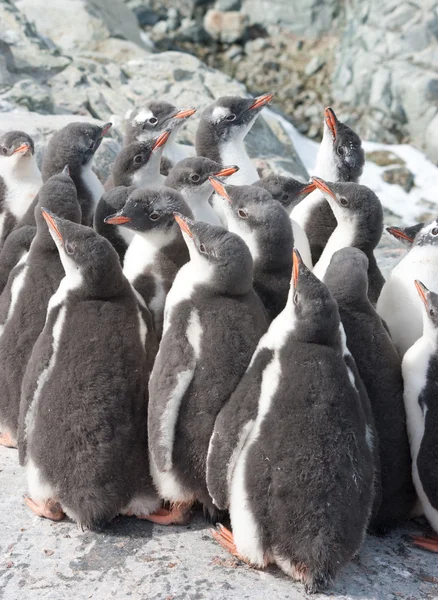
(347, 276)
(16, 152)
(73, 145)
(345, 147)
(427, 236)
(315, 311)
(286, 190)
(355, 206)
(148, 210)
(88, 258)
(135, 163)
(147, 122)
(190, 175)
(222, 256)
(405, 235)
(430, 308)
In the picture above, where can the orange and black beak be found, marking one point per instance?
(261, 101)
(184, 113)
(296, 262)
(105, 129)
(51, 219)
(226, 171)
(321, 185)
(181, 220)
(161, 140)
(21, 149)
(117, 219)
(311, 187)
(331, 121)
(219, 187)
(423, 292)
(400, 234)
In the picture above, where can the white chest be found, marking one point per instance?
(139, 256)
(235, 153)
(342, 237)
(93, 184)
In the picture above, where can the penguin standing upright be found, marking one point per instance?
(289, 454)
(340, 158)
(21, 179)
(83, 413)
(263, 224)
(359, 217)
(379, 367)
(30, 291)
(420, 375)
(112, 201)
(213, 321)
(158, 250)
(399, 305)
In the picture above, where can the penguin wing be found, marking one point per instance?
(171, 377)
(16, 244)
(427, 462)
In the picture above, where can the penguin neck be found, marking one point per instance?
(173, 151)
(249, 236)
(234, 153)
(92, 183)
(23, 179)
(430, 334)
(342, 237)
(302, 211)
(144, 249)
(325, 166)
(198, 201)
(149, 175)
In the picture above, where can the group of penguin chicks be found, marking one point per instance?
(209, 337)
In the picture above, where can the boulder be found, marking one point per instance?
(226, 27)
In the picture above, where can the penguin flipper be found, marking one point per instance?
(427, 463)
(16, 244)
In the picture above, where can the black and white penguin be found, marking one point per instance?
(263, 224)
(111, 202)
(146, 122)
(222, 130)
(157, 250)
(379, 367)
(139, 164)
(21, 179)
(82, 429)
(212, 324)
(340, 158)
(399, 305)
(191, 178)
(289, 454)
(30, 286)
(359, 217)
(405, 235)
(286, 190)
(420, 374)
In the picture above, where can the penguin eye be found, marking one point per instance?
(138, 159)
(295, 298)
(431, 312)
(92, 145)
(4, 150)
(343, 201)
(153, 120)
(284, 197)
(231, 117)
(194, 177)
(435, 231)
(154, 216)
(69, 248)
(341, 150)
(202, 248)
(243, 214)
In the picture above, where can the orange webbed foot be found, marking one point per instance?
(179, 514)
(427, 542)
(6, 440)
(226, 539)
(49, 510)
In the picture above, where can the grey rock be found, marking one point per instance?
(146, 15)
(384, 158)
(29, 94)
(226, 27)
(401, 176)
(257, 45)
(314, 65)
(226, 5)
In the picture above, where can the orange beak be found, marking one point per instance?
(218, 187)
(183, 225)
(21, 149)
(309, 188)
(227, 171)
(321, 185)
(261, 101)
(422, 289)
(399, 234)
(185, 113)
(51, 223)
(161, 140)
(105, 129)
(116, 220)
(296, 260)
(330, 120)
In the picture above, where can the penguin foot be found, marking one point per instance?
(429, 542)
(49, 510)
(6, 440)
(225, 538)
(179, 514)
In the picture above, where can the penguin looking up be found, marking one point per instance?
(420, 372)
(146, 122)
(30, 287)
(379, 367)
(406, 235)
(359, 217)
(399, 305)
(190, 178)
(222, 130)
(21, 179)
(93, 411)
(263, 224)
(289, 454)
(139, 164)
(157, 250)
(212, 323)
(340, 158)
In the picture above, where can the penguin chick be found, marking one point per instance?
(222, 130)
(190, 178)
(263, 224)
(24, 302)
(340, 158)
(420, 372)
(213, 321)
(289, 453)
(21, 179)
(405, 235)
(85, 390)
(157, 250)
(399, 305)
(379, 367)
(359, 217)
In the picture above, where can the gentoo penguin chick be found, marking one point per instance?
(24, 302)
(289, 454)
(359, 217)
(222, 130)
(146, 122)
(405, 235)
(82, 430)
(340, 158)
(399, 305)
(157, 250)
(139, 164)
(21, 179)
(112, 201)
(263, 224)
(379, 367)
(213, 321)
(190, 178)
(420, 372)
